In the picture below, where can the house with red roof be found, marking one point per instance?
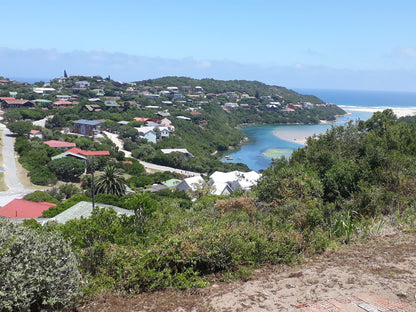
(11, 102)
(35, 134)
(59, 144)
(79, 151)
(25, 209)
(80, 154)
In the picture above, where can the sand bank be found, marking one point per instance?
(398, 111)
(300, 135)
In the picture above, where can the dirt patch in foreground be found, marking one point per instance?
(378, 275)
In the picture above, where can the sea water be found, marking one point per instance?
(264, 144)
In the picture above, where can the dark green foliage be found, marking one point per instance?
(40, 196)
(20, 127)
(38, 272)
(67, 168)
(110, 181)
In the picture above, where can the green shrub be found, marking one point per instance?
(38, 271)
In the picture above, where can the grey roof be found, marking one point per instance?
(87, 122)
(84, 209)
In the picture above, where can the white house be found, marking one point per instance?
(192, 184)
(236, 180)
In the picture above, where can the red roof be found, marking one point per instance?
(7, 98)
(62, 103)
(20, 208)
(195, 113)
(79, 151)
(55, 143)
(34, 131)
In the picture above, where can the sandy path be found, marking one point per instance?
(377, 276)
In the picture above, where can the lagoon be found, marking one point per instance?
(266, 142)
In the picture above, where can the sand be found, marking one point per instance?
(300, 136)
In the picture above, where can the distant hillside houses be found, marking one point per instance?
(221, 183)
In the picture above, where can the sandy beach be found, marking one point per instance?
(300, 136)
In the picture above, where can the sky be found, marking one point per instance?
(321, 44)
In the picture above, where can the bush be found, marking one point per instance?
(38, 271)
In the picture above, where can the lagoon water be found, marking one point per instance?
(264, 143)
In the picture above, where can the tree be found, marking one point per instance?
(20, 127)
(111, 182)
(67, 168)
(38, 271)
(65, 74)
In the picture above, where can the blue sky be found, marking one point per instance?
(325, 44)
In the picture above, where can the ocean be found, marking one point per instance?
(264, 142)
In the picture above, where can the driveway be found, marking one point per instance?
(114, 138)
(16, 189)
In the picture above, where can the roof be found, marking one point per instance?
(79, 151)
(171, 183)
(62, 103)
(191, 183)
(33, 131)
(83, 209)
(236, 179)
(87, 122)
(20, 208)
(65, 154)
(57, 144)
(176, 150)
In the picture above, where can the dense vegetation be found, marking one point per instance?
(345, 184)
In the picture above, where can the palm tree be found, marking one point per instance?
(111, 182)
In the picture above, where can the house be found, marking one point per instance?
(191, 184)
(236, 180)
(85, 127)
(80, 154)
(156, 188)
(41, 102)
(167, 103)
(198, 89)
(79, 151)
(112, 104)
(176, 150)
(147, 133)
(82, 84)
(178, 96)
(98, 92)
(165, 122)
(220, 188)
(59, 144)
(63, 97)
(184, 118)
(20, 208)
(9, 102)
(163, 114)
(35, 134)
(172, 89)
(92, 107)
(172, 183)
(83, 209)
(186, 88)
(230, 105)
(43, 90)
(70, 154)
(62, 104)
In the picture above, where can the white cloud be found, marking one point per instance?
(405, 52)
(125, 67)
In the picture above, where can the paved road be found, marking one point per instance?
(16, 189)
(114, 138)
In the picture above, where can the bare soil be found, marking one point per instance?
(374, 275)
